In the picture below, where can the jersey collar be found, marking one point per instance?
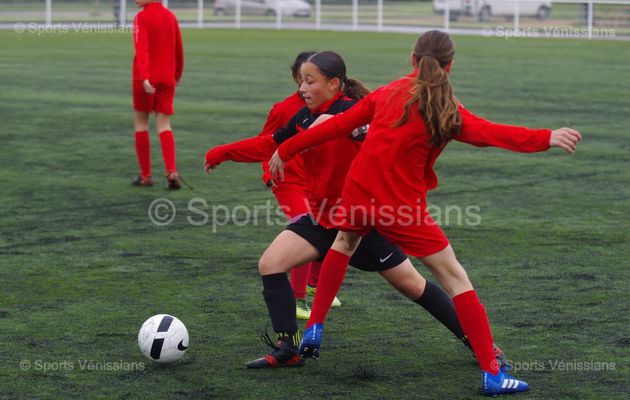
(324, 107)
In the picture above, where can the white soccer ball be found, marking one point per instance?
(163, 339)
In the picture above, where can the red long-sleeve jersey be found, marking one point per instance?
(158, 44)
(262, 147)
(395, 165)
(325, 167)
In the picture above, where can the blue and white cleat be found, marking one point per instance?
(502, 383)
(312, 339)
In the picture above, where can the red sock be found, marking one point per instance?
(333, 271)
(143, 152)
(168, 150)
(313, 273)
(474, 321)
(298, 280)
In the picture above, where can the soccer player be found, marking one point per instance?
(291, 192)
(411, 121)
(327, 91)
(157, 69)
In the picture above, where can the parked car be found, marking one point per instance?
(296, 8)
(484, 9)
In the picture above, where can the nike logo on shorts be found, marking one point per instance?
(382, 260)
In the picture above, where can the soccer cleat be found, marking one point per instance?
(173, 181)
(142, 181)
(283, 354)
(501, 383)
(302, 311)
(311, 291)
(309, 346)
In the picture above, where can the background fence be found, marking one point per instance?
(590, 17)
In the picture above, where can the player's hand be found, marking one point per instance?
(565, 138)
(276, 166)
(213, 159)
(148, 88)
(208, 168)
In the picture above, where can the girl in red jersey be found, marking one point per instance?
(324, 89)
(411, 120)
(157, 69)
(291, 192)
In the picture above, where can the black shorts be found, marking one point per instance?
(375, 253)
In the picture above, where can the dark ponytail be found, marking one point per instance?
(433, 94)
(355, 89)
(332, 66)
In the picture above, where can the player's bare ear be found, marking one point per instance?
(334, 84)
(414, 60)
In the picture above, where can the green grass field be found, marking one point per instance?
(82, 266)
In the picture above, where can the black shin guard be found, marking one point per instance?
(436, 301)
(280, 304)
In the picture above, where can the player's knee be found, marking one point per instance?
(412, 286)
(263, 266)
(163, 122)
(141, 126)
(269, 264)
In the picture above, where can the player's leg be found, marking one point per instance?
(164, 97)
(376, 253)
(473, 319)
(167, 144)
(313, 278)
(409, 282)
(286, 251)
(294, 203)
(298, 277)
(332, 274)
(142, 105)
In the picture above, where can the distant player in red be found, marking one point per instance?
(157, 69)
(291, 192)
(411, 121)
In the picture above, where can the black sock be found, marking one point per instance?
(281, 305)
(436, 301)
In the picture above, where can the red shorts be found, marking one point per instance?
(415, 231)
(161, 101)
(420, 240)
(292, 199)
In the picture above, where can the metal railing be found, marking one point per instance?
(486, 17)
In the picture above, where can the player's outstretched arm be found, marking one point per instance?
(255, 149)
(481, 133)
